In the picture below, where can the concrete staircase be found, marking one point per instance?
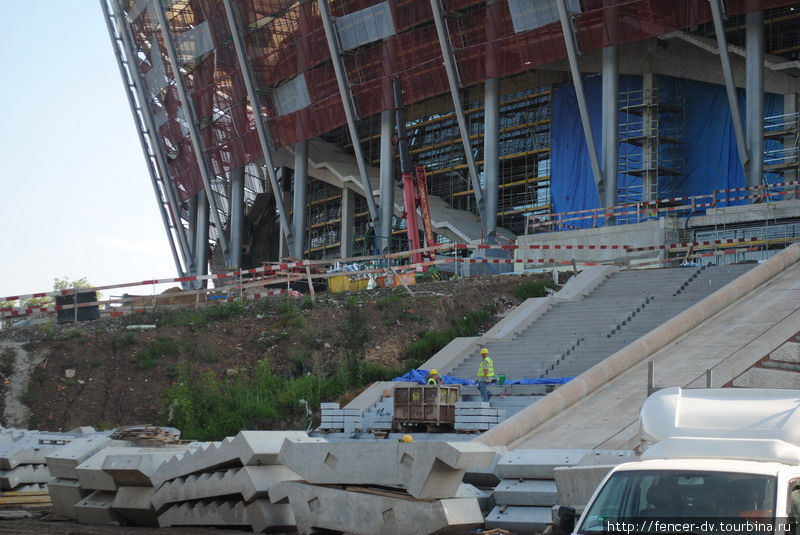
(330, 164)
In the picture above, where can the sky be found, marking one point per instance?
(77, 200)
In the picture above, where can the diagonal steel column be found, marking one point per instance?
(572, 55)
(455, 84)
(754, 93)
(349, 109)
(733, 102)
(173, 219)
(263, 134)
(194, 135)
(387, 180)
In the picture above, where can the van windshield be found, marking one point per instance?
(648, 495)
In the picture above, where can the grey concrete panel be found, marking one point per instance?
(259, 515)
(536, 464)
(788, 352)
(64, 494)
(767, 378)
(138, 469)
(248, 448)
(363, 512)
(24, 474)
(135, 504)
(270, 517)
(26, 450)
(519, 520)
(96, 508)
(424, 469)
(63, 460)
(576, 484)
(249, 483)
(527, 492)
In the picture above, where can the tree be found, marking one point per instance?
(59, 283)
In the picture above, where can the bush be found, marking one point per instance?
(432, 341)
(535, 288)
(184, 317)
(205, 406)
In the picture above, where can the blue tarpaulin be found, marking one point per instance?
(421, 377)
(711, 156)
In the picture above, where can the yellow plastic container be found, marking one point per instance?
(340, 283)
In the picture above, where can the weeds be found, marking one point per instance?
(535, 288)
(7, 363)
(183, 317)
(163, 346)
(385, 302)
(432, 341)
(122, 340)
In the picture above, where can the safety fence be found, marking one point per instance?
(640, 211)
(261, 282)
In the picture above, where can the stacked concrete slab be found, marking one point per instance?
(533, 481)
(334, 418)
(381, 486)
(379, 416)
(477, 416)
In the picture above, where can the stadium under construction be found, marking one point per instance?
(270, 127)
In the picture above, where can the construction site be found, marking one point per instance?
(441, 266)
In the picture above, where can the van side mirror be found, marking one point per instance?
(565, 519)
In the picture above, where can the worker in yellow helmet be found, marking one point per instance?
(485, 374)
(433, 377)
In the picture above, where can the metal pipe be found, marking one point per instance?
(387, 180)
(610, 126)
(754, 65)
(349, 110)
(346, 230)
(491, 152)
(454, 83)
(194, 135)
(572, 55)
(201, 243)
(237, 216)
(263, 133)
(300, 188)
(730, 88)
(133, 71)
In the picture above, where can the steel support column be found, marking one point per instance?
(300, 188)
(201, 237)
(610, 121)
(349, 109)
(387, 180)
(346, 230)
(455, 85)
(261, 128)
(138, 103)
(754, 65)
(730, 87)
(194, 134)
(491, 153)
(237, 215)
(572, 55)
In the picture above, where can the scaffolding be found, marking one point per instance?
(651, 135)
(782, 146)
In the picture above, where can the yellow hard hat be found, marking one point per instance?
(434, 372)
(484, 351)
(408, 438)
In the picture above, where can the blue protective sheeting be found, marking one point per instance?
(421, 377)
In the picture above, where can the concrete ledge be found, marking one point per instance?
(518, 426)
(576, 484)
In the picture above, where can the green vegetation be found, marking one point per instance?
(183, 317)
(535, 288)
(121, 340)
(7, 360)
(163, 346)
(432, 341)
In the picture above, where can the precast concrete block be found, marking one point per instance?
(90, 472)
(608, 457)
(324, 406)
(138, 469)
(424, 469)
(96, 508)
(788, 352)
(519, 520)
(576, 484)
(527, 492)
(248, 448)
(64, 494)
(23, 475)
(271, 517)
(249, 482)
(484, 497)
(62, 461)
(25, 450)
(536, 464)
(135, 504)
(362, 511)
